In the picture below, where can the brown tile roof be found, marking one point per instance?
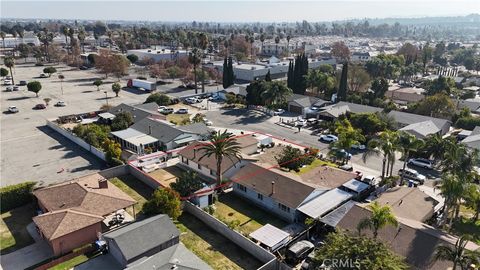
(246, 141)
(194, 152)
(84, 195)
(289, 190)
(410, 203)
(327, 177)
(59, 223)
(413, 240)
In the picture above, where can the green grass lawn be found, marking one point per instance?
(70, 263)
(214, 249)
(230, 208)
(135, 189)
(316, 163)
(13, 228)
(179, 119)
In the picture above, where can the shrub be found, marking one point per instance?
(233, 224)
(467, 122)
(14, 196)
(132, 58)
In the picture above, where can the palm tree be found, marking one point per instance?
(3, 36)
(277, 40)
(221, 145)
(288, 43)
(457, 254)
(81, 36)
(407, 144)
(381, 216)
(203, 44)
(262, 39)
(61, 77)
(384, 145)
(10, 62)
(434, 146)
(194, 58)
(452, 190)
(276, 93)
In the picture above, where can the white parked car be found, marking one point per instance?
(359, 147)
(13, 109)
(421, 162)
(166, 110)
(192, 100)
(278, 112)
(182, 111)
(207, 122)
(9, 88)
(301, 122)
(61, 104)
(328, 138)
(412, 174)
(7, 82)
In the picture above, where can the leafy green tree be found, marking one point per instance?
(347, 137)
(442, 84)
(49, 71)
(164, 201)
(173, 72)
(24, 50)
(407, 144)
(116, 88)
(381, 216)
(122, 121)
(255, 92)
(187, 184)
(358, 79)
(292, 158)
(369, 123)
(427, 54)
(364, 252)
(9, 62)
(319, 81)
(472, 200)
(3, 72)
(34, 86)
(132, 58)
(221, 145)
(198, 118)
(439, 105)
(160, 99)
(113, 152)
(380, 87)
(98, 83)
(458, 254)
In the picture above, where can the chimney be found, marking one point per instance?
(273, 187)
(103, 183)
(149, 130)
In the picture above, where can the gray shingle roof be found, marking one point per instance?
(138, 111)
(305, 101)
(142, 236)
(422, 129)
(405, 119)
(165, 133)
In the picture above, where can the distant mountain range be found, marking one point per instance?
(468, 19)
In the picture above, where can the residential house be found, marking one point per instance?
(413, 240)
(362, 56)
(152, 243)
(283, 193)
(157, 55)
(192, 157)
(73, 212)
(236, 89)
(472, 104)
(139, 111)
(405, 95)
(159, 135)
(304, 105)
(472, 141)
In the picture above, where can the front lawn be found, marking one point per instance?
(242, 216)
(135, 188)
(213, 248)
(70, 263)
(316, 163)
(179, 119)
(13, 228)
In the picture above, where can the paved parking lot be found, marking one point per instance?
(32, 151)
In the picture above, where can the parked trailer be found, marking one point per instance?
(147, 85)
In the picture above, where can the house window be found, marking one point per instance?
(212, 172)
(242, 188)
(199, 166)
(284, 208)
(260, 197)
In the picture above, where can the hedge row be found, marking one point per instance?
(14, 196)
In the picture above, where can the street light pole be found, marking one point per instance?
(106, 97)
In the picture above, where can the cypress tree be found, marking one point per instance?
(230, 74)
(342, 89)
(296, 75)
(225, 74)
(268, 77)
(290, 75)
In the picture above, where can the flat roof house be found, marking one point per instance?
(139, 111)
(157, 55)
(73, 211)
(302, 104)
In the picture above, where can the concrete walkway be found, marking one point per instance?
(29, 255)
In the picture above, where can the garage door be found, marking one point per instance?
(295, 109)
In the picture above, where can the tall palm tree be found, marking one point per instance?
(384, 145)
(276, 93)
(194, 58)
(288, 44)
(81, 37)
(10, 63)
(221, 145)
(3, 36)
(407, 143)
(262, 39)
(452, 190)
(458, 254)
(277, 40)
(203, 44)
(381, 216)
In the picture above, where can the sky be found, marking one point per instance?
(235, 11)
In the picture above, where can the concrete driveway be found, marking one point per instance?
(26, 256)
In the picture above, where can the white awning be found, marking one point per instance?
(270, 236)
(324, 203)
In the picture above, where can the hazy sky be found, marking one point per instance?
(235, 11)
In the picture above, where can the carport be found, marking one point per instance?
(270, 237)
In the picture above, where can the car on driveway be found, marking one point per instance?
(207, 122)
(60, 104)
(13, 109)
(21, 83)
(278, 112)
(7, 82)
(328, 138)
(9, 88)
(16, 88)
(42, 75)
(192, 100)
(359, 147)
(182, 111)
(40, 106)
(421, 162)
(166, 110)
(346, 167)
(301, 122)
(413, 175)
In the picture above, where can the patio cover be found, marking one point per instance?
(270, 236)
(324, 203)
